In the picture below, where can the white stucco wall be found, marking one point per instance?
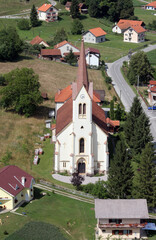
(57, 106)
(66, 48)
(43, 15)
(92, 59)
(90, 38)
(116, 29)
(150, 8)
(131, 36)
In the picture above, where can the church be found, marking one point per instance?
(82, 130)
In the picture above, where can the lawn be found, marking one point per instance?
(17, 6)
(75, 223)
(152, 57)
(145, 15)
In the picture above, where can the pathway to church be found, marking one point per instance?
(67, 179)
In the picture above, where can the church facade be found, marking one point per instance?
(82, 130)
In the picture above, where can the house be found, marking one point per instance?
(83, 8)
(92, 57)
(94, 35)
(124, 24)
(48, 13)
(16, 186)
(65, 48)
(152, 92)
(50, 54)
(135, 34)
(120, 218)
(39, 41)
(82, 130)
(151, 6)
(68, 6)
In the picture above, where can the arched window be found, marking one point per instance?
(84, 108)
(80, 108)
(82, 145)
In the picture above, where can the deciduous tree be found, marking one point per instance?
(74, 9)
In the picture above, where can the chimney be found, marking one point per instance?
(58, 91)
(23, 181)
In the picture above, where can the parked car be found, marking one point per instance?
(152, 108)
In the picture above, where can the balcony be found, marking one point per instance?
(121, 225)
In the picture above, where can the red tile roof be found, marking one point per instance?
(64, 116)
(97, 32)
(152, 4)
(153, 89)
(66, 93)
(63, 43)
(138, 29)
(37, 40)
(50, 52)
(53, 126)
(124, 23)
(10, 179)
(44, 7)
(152, 82)
(93, 50)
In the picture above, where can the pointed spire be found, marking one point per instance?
(82, 76)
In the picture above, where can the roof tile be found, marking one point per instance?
(97, 32)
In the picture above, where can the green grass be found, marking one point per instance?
(145, 15)
(75, 223)
(17, 6)
(152, 57)
(137, 3)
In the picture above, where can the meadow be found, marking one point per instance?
(75, 223)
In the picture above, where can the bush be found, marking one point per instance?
(109, 87)
(2, 80)
(99, 189)
(23, 24)
(77, 27)
(108, 80)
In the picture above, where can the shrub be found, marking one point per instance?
(23, 24)
(108, 80)
(99, 189)
(2, 80)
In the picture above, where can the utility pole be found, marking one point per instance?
(138, 84)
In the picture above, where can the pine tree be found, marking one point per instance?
(145, 181)
(74, 9)
(34, 17)
(120, 173)
(134, 114)
(112, 110)
(71, 58)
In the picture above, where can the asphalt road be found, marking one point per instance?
(125, 92)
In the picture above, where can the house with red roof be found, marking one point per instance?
(151, 6)
(16, 186)
(82, 129)
(50, 54)
(92, 57)
(134, 34)
(65, 47)
(94, 35)
(152, 93)
(124, 24)
(47, 12)
(39, 41)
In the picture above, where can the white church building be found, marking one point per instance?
(82, 130)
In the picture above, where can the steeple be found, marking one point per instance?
(82, 76)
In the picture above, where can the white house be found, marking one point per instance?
(82, 130)
(152, 92)
(65, 47)
(39, 41)
(92, 57)
(95, 35)
(151, 6)
(135, 34)
(120, 218)
(16, 186)
(124, 24)
(47, 12)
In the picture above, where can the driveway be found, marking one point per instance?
(125, 92)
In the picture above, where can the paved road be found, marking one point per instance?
(87, 180)
(125, 92)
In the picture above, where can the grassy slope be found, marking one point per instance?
(152, 57)
(78, 220)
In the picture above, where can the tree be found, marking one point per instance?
(23, 24)
(120, 173)
(22, 92)
(145, 185)
(94, 10)
(60, 36)
(71, 58)
(34, 17)
(74, 9)
(139, 66)
(112, 110)
(10, 44)
(125, 9)
(120, 113)
(2, 80)
(152, 26)
(77, 180)
(77, 27)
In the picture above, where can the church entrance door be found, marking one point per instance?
(81, 167)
